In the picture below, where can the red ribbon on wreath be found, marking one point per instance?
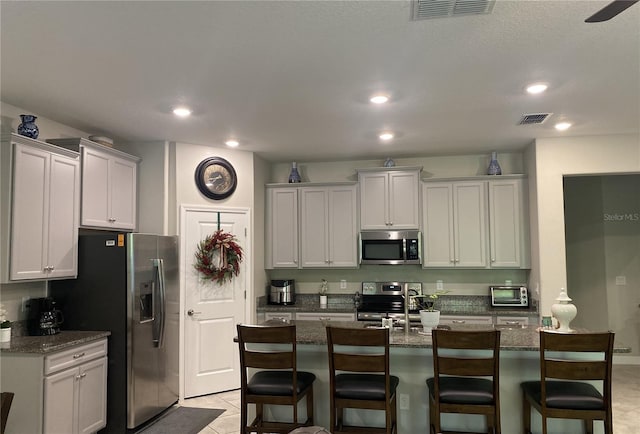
(229, 257)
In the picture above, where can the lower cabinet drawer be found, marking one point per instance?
(74, 356)
(319, 316)
(465, 319)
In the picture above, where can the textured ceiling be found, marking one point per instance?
(291, 80)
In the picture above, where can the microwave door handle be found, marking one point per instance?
(404, 250)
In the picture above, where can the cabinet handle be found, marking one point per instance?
(77, 377)
(84, 374)
(112, 220)
(512, 322)
(325, 318)
(493, 259)
(459, 321)
(77, 356)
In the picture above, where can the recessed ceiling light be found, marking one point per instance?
(379, 99)
(232, 143)
(537, 88)
(386, 136)
(561, 126)
(182, 112)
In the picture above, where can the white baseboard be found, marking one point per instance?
(626, 360)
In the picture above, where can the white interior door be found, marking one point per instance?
(211, 357)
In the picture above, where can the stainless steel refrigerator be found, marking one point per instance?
(128, 284)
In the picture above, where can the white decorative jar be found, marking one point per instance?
(564, 311)
(429, 320)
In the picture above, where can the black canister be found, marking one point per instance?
(282, 292)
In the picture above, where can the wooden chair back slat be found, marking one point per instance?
(360, 337)
(267, 335)
(359, 362)
(575, 370)
(264, 360)
(582, 342)
(466, 367)
(466, 340)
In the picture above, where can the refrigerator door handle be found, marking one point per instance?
(158, 339)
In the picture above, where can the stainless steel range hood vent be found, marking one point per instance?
(428, 9)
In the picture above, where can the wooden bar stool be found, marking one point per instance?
(279, 383)
(361, 379)
(571, 397)
(465, 384)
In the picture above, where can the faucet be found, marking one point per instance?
(407, 325)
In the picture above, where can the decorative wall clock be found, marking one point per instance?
(216, 178)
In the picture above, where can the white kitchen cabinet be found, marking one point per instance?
(42, 182)
(325, 316)
(389, 198)
(455, 224)
(508, 224)
(60, 393)
(282, 227)
(466, 319)
(109, 185)
(328, 226)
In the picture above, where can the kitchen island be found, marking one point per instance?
(411, 361)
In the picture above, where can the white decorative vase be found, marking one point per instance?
(323, 301)
(5, 335)
(429, 319)
(564, 311)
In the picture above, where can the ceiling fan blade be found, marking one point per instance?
(610, 11)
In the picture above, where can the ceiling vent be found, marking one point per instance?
(427, 9)
(534, 118)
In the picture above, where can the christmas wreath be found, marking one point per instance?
(218, 257)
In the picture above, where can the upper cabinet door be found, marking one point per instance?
(470, 224)
(437, 225)
(343, 226)
(64, 211)
(508, 228)
(30, 221)
(282, 227)
(95, 188)
(122, 196)
(109, 187)
(374, 200)
(314, 227)
(404, 200)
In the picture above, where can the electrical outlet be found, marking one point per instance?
(621, 280)
(25, 301)
(439, 285)
(405, 402)
(343, 284)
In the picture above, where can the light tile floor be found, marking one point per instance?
(626, 404)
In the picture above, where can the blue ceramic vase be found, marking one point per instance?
(28, 127)
(494, 167)
(294, 176)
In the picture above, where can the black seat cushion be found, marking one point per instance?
(573, 395)
(364, 386)
(278, 383)
(463, 390)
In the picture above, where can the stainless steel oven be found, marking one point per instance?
(387, 300)
(390, 247)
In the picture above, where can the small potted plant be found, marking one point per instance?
(429, 317)
(323, 293)
(5, 326)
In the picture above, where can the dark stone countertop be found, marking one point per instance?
(50, 344)
(512, 338)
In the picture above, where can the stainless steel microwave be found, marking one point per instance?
(514, 296)
(390, 247)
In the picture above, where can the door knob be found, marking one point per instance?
(192, 312)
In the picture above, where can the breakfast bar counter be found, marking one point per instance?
(411, 361)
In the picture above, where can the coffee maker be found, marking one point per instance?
(44, 319)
